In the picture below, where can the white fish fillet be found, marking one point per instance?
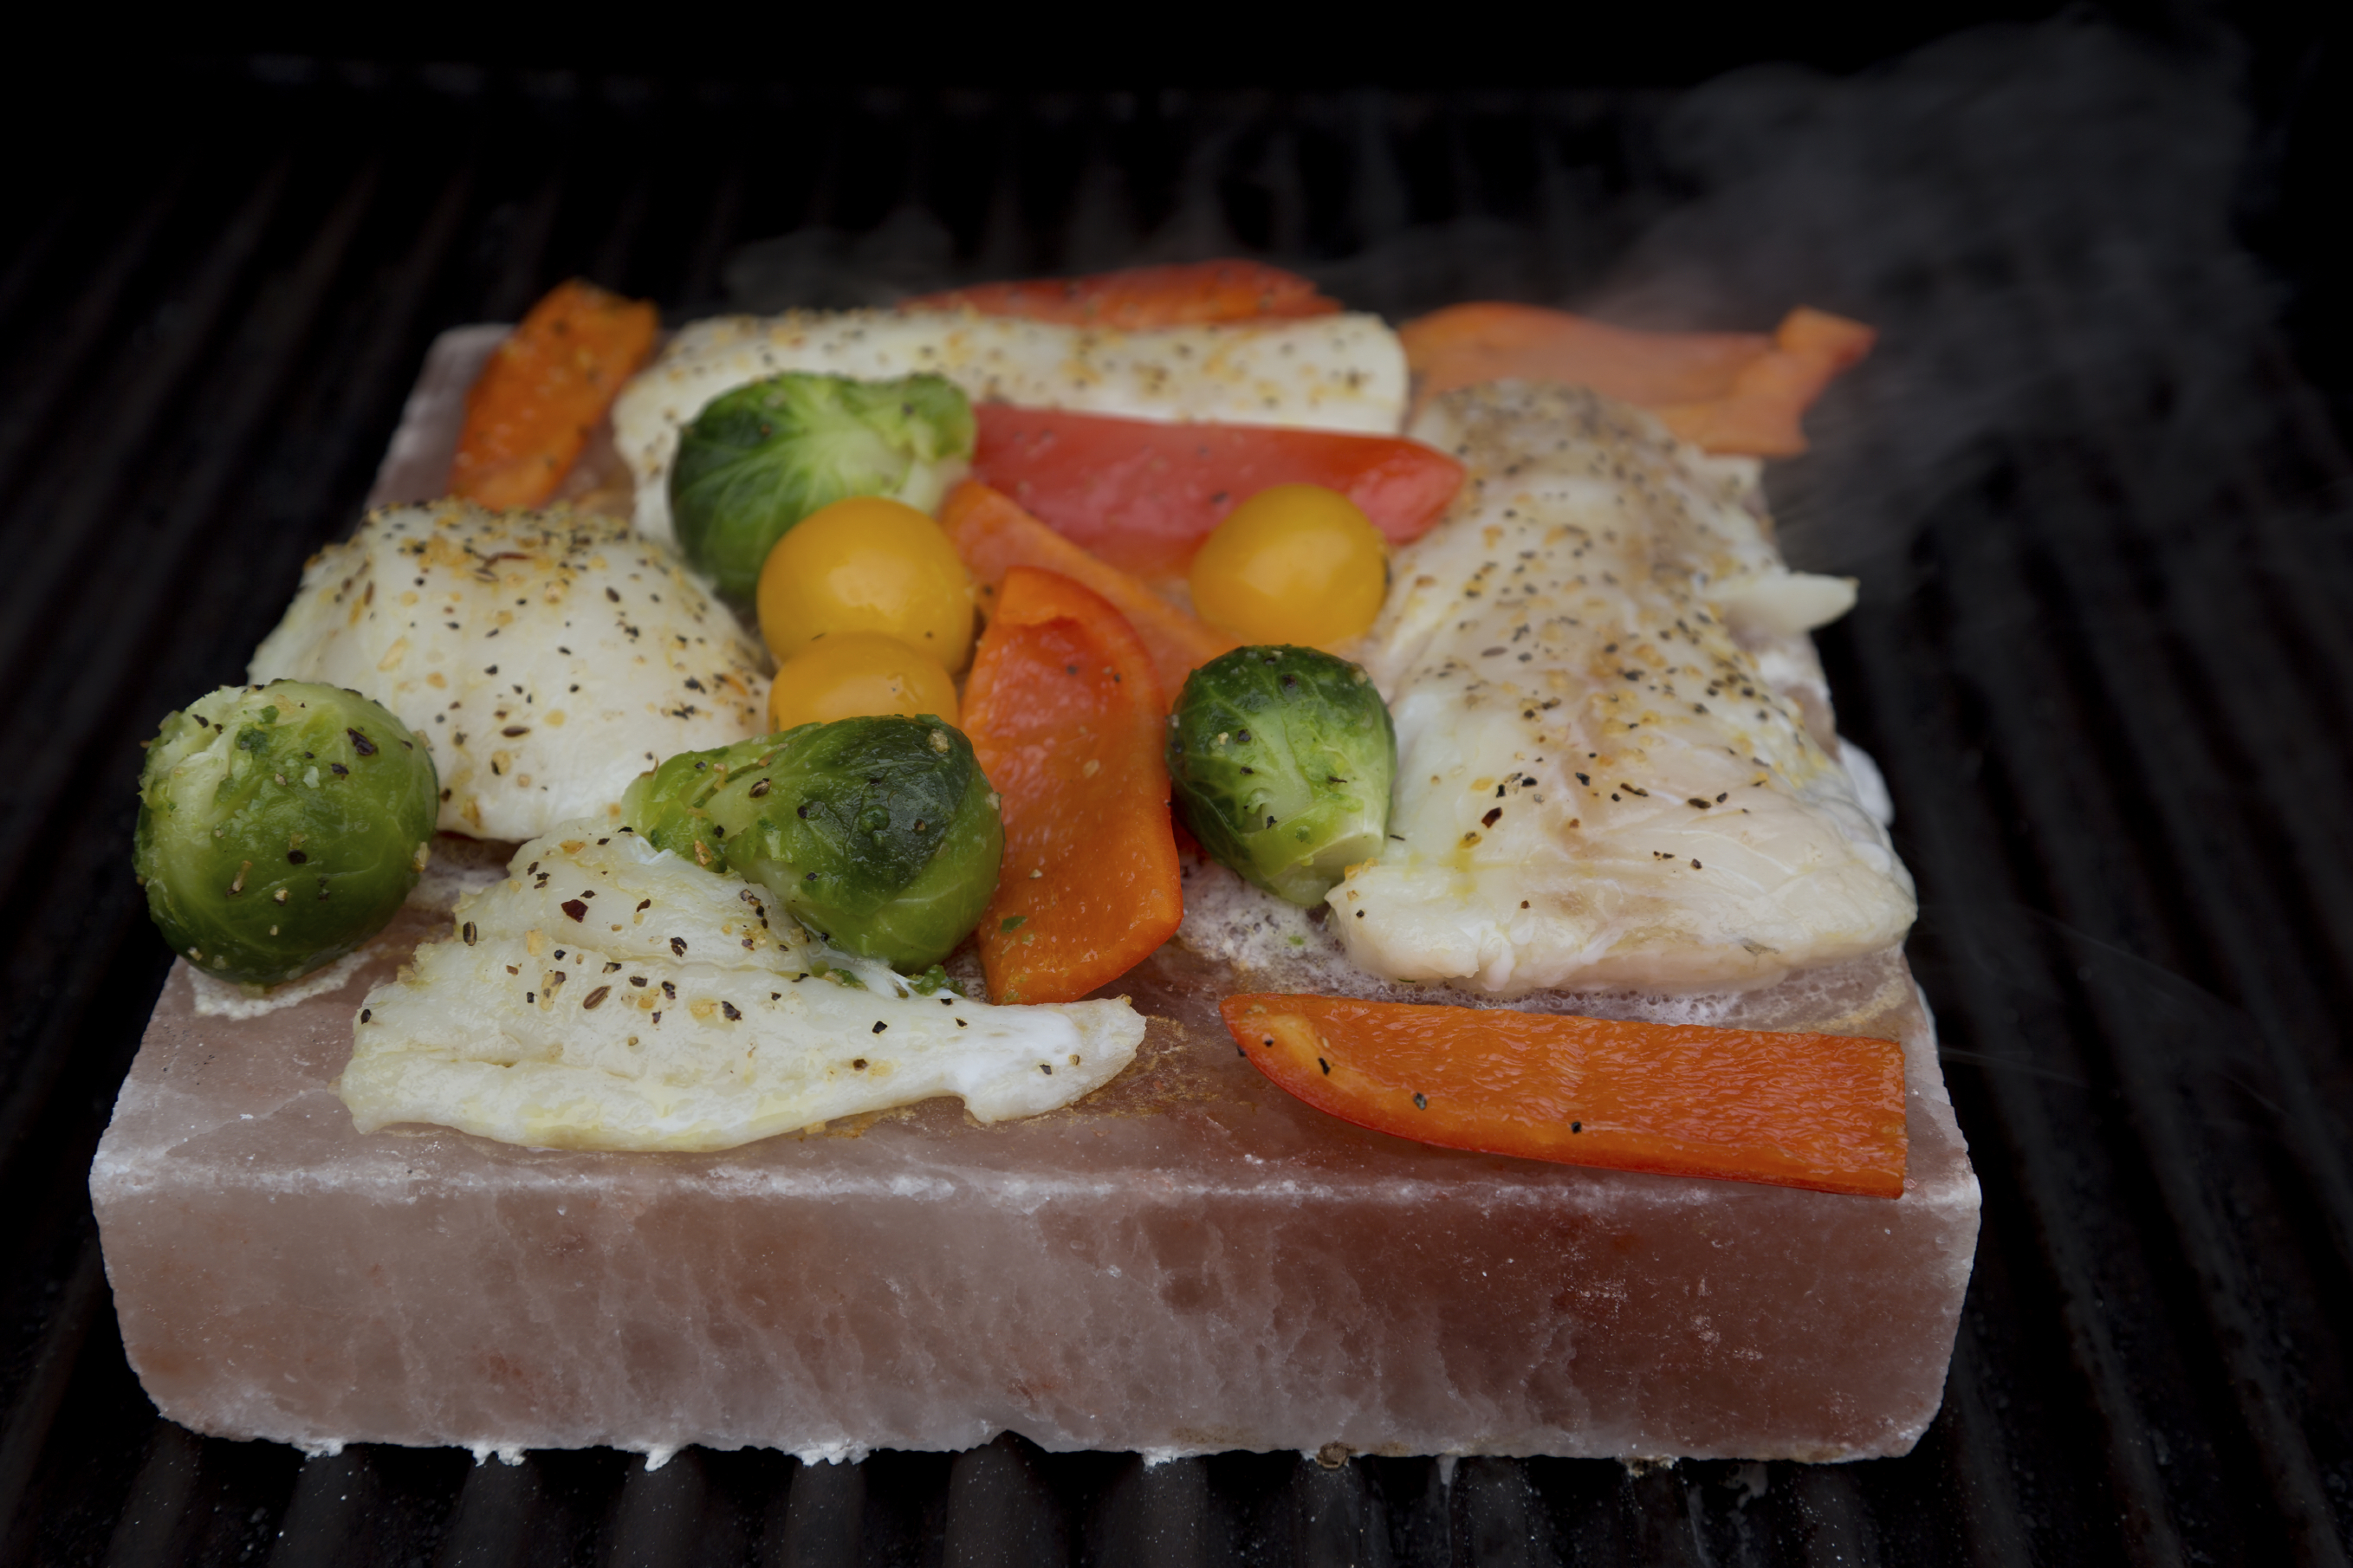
(1327, 373)
(610, 996)
(546, 658)
(1595, 783)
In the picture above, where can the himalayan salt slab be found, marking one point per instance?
(1187, 1261)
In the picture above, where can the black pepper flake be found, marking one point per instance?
(729, 1009)
(511, 730)
(296, 857)
(469, 933)
(596, 998)
(879, 1025)
(575, 909)
(1699, 802)
(360, 743)
(636, 979)
(960, 1024)
(858, 1064)
(1494, 812)
(669, 990)
(1324, 1065)
(340, 771)
(366, 1013)
(678, 946)
(1583, 780)
(1421, 1103)
(759, 789)
(1576, 1127)
(644, 904)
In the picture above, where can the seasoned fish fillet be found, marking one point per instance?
(547, 659)
(611, 995)
(1595, 783)
(1328, 372)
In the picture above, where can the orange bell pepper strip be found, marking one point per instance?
(992, 536)
(1727, 391)
(1139, 299)
(1066, 718)
(543, 391)
(1819, 1112)
(1143, 494)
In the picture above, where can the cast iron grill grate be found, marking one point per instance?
(2100, 655)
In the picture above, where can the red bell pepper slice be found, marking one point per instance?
(1819, 1112)
(1139, 299)
(1143, 494)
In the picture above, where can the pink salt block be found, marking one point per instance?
(1189, 1261)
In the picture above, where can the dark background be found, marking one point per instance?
(2093, 481)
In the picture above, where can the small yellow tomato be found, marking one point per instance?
(867, 564)
(851, 675)
(1296, 563)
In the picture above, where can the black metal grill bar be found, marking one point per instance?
(195, 384)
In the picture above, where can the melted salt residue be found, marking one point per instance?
(1277, 946)
(219, 998)
(447, 880)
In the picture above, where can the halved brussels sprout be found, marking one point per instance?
(759, 458)
(881, 834)
(1281, 760)
(281, 826)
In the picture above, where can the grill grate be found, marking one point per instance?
(2104, 532)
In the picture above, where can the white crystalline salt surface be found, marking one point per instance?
(1187, 1261)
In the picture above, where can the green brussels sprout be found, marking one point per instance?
(1281, 760)
(281, 826)
(880, 833)
(761, 457)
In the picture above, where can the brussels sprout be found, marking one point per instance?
(1280, 760)
(881, 834)
(281, 826)
(761, 457)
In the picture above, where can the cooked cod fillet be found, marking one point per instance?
(546, 658)
(1328, 372)
(611, 995)
(1596, 785)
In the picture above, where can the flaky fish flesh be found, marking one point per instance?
(546, 658)
(610, 996)
(1596, 785)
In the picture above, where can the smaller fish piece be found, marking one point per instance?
(611, 995)
(545, 659)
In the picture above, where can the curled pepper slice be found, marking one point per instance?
(1065, 715)
(992, 536)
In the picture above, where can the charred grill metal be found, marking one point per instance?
(2101, 656)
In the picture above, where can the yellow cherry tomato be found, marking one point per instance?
(851, 675)
(867, 564)
(1296, 563)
